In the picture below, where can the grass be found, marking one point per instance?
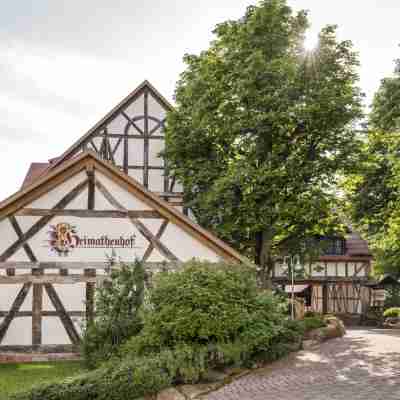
(18, 377)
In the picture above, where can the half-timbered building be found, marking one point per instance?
(130, 136)
(336, 281)
(109, 197)
(59, 235)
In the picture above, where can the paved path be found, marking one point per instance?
(365, 364)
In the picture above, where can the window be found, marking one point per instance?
(332, 246)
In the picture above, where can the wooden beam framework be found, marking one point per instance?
(138, 224)
(41, 212)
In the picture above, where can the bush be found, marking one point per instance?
(208, 304)
(393, 312)
(117, 304)
(218, 307)
(314, 322)
(206, 316)
(392, 297)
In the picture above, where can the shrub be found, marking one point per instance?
(314, 322)
(218, 306)
(205, 316)
(393, 312)
(392, 297)
(117, 304)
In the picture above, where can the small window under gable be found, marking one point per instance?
(332, 246)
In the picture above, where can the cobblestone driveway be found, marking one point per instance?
(365, 364)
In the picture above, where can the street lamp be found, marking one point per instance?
(293, 264)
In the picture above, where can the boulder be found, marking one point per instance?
(170, 394)
(392, 322)
(335, 328)
(193, 391)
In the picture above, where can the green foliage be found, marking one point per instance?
(393, 312)
(205, 316)
(262, 129)
(373, 189)
(392, 297)
(117, 304)
(129, 379)
(208, 303)
(17, 377)
(313, 322)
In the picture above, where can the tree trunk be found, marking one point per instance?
(264, 258)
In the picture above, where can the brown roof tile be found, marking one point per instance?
(35, 170)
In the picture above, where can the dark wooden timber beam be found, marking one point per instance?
(91, 188)
(37, 307)
(63, 266)
(41, 212)
(64, 317)
(42, 222)
(150, 248)
(14, 310)
(24, 314)
(139, 225)
(90, 292)
(49, 278)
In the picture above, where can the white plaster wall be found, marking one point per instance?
(136, 174)
(136, 151)
(157, 111)
(7, 235)
(182, 244)
(50, 199)
(186, 247)
(351, 268)
(155, 147)
(117, 125)
(156, 180)
(341, 267)
(126, 199)
(331, 269)
(136, 108)
(316, 270)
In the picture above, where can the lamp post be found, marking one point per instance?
(293, 264)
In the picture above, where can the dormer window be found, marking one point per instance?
(333, 246)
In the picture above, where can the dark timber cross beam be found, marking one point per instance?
(139, 225)
(64, 317)
(42, 212)
(14, 310)
(42, 222)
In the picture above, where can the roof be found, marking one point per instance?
(35, 170)
(356, 246)
(89, 159)
(386, 280)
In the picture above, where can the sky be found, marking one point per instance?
(65, 64)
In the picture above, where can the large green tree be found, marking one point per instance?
(373, 190)
(262, 128)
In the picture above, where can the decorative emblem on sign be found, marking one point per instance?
(63, 238)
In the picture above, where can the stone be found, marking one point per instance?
(170, 394)
(214, 376)
(392, 322)
(193, 391)
(236, 371)
(309, 344)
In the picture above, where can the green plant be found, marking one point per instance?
(117, 304)
(262, 129)
(393, 312)
(205, 316)
(392, 297)
(313, 322)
